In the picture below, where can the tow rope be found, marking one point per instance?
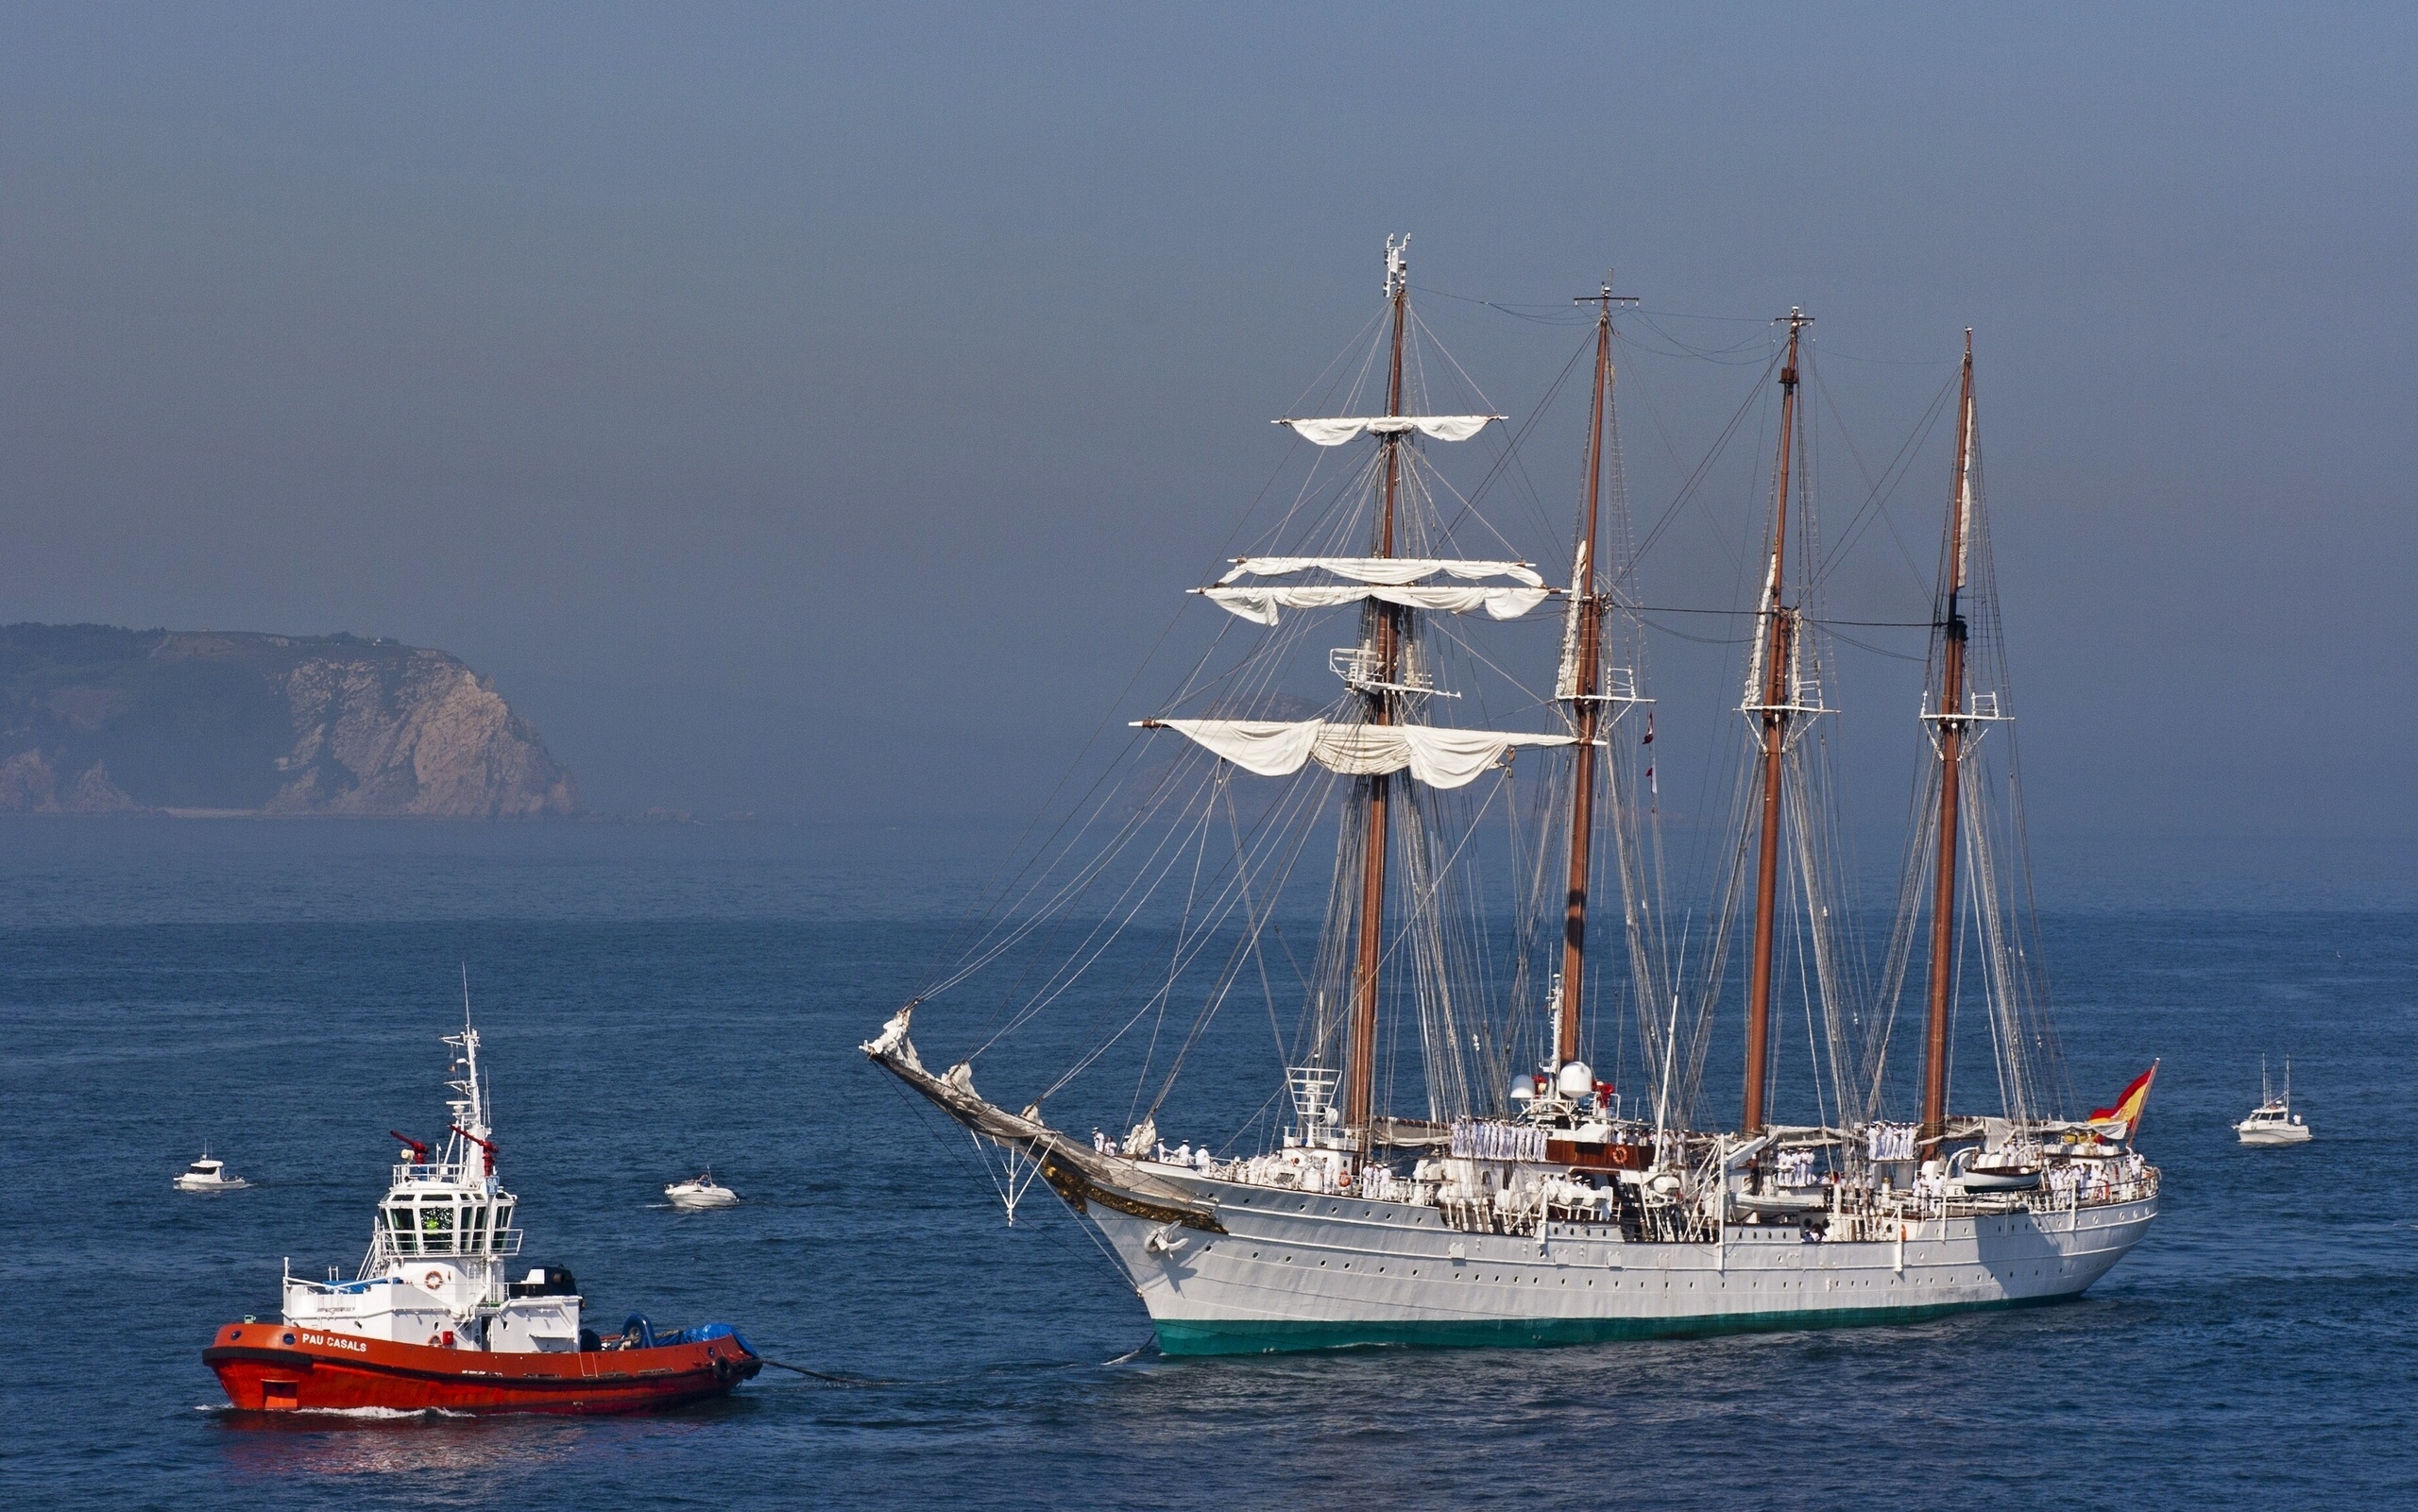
(841, 1379)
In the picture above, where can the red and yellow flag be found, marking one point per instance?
(2129, 1103)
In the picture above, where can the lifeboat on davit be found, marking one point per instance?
(434, 1321)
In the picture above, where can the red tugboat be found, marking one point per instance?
(430, 1319)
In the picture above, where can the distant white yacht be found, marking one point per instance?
(701, 1192)
(207, 1175)
(2272, 1121)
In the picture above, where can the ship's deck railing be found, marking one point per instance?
(2068, 1186)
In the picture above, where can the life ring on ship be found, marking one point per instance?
(433, 1280)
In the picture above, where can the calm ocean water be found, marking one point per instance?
(656, 1000)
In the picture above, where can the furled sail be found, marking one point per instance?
(1334, 432)
(1278, 748)
(1389, 570)
(1260, 604)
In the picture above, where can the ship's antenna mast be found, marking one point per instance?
(1585, 695)
(1950, 719)
(1778, 635)
(1361, 1048)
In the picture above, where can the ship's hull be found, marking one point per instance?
(279, 1367)
(1293, 1271)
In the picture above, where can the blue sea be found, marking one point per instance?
(655, 1001)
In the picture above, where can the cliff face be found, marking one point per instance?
(96, 720)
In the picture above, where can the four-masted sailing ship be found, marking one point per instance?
(1439, 1162)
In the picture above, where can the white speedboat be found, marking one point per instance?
(701, 1192)
(2272, 1121)
(207, 1175)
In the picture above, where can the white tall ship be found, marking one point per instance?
(1439, 1159)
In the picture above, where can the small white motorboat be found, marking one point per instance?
(701, 1192)
(2272, 1121)
(207, 1175)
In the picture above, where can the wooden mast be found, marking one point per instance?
(1360, 1062)
(1587, 703)
(1951, 746)
(1779, 642)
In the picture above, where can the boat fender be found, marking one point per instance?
(724, 1369)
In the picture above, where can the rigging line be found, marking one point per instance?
(924, 1113)
(1085, 1062)
(1877, 499)
(1695, 480)
(1368, 350)
(992, 944)
(1718, 356)
(1438, 342)
(1728, 320)
(1536, 700)
(1184, 923)
(1223, 987)
(1084, 874)
(1758, 336)
(1428, 896)
(1512, 447)
(1878, 651)
(1428, 476)
(1267, 990)
(1115, 704)
(1047, 846)
(1646, 393)
(1898, 361)
(1803, 619)
(1356, 342)
(1512, 310)
(1064, 977)
(1701, 640)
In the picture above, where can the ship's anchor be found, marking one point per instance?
(1166, 1240)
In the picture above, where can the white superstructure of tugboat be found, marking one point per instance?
(208, 1174)
(442, 1245)
(1518, 1198)
(2272, 1121)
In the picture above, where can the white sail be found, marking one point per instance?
(1260, 605)
(1388, 570)
(1279, 748)
(1334, 432)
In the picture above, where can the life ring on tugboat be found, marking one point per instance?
(434, 1280)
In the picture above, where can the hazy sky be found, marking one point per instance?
(820, 415)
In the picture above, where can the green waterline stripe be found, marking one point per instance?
(1195, 1336)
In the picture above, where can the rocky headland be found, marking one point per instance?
(96, 720)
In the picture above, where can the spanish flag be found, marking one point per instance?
(2129, 1104)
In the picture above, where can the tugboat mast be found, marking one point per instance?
(1779, 638)
(1360, 1055)
(1952, 721)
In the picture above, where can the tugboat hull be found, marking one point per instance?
(279, 1367)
